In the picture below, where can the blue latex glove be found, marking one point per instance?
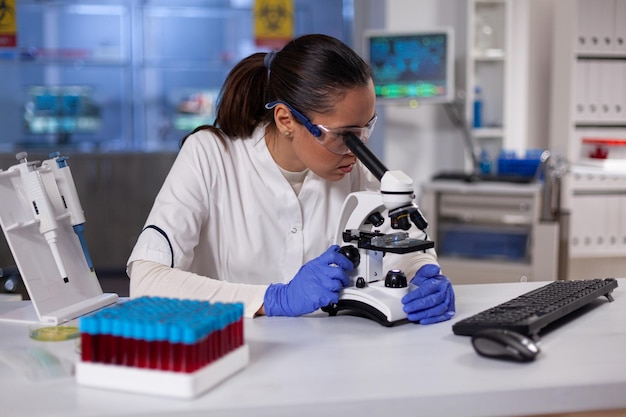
(433, 299)
(316, 285)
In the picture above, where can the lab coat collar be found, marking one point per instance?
(258, 136)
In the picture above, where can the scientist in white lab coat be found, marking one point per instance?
(249, 209)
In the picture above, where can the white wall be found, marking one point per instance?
(541, 15)
(423, 141)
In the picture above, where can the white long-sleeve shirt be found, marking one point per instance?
(227, 223)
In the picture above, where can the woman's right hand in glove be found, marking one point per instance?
(317, 284)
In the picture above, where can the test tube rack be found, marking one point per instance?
(162, 346)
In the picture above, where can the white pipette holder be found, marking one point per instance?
(57, 275)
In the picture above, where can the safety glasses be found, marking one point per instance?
(332, 138)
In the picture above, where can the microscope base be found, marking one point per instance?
(375, 302)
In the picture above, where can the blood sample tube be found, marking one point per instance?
(104, 340)
(88, 327)
(176, 345)
(163, 345)
(189, 348)
(129, 356)
(116, 344)
(152, 353)
(141, 348)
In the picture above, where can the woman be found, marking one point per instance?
(248, 210)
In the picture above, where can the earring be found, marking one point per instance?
(287, 133)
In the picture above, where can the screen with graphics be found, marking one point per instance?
(410, 66)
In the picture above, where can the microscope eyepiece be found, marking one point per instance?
(363, 154)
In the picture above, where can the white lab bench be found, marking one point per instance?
(490, 231)
(348, 366)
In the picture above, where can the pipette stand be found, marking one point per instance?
(55, 298)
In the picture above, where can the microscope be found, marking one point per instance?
(371, 293)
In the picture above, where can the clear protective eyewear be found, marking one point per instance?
(332, 138)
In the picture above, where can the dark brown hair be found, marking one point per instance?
(310, 73)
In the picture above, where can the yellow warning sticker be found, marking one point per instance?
(273, 22)
(8, 25)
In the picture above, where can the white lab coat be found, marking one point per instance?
(226, 212)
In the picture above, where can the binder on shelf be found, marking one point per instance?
(614, 226)
(583, 232)
(619, 44)
(600, 91)
(617, 91)
(603, 28)
(581, 90)
(584, 31)
(606, 85)
(594, 95)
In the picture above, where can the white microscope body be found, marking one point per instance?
(372, 292)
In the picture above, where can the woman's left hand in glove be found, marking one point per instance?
(432, 298)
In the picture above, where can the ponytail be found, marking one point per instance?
(241, 102)
(242, 99)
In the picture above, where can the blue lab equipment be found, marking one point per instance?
(485, 163)
(71, 201)
(510, 164)
(478, 108)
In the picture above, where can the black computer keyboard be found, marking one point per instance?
(531, 312)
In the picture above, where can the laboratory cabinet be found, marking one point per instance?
(116, 191)
(490, 232)
(487, 66)
(588, 102)
(69, 79)
(588, 127)
(599, 214)
(131, 75)
(596, 240)
(496, 83)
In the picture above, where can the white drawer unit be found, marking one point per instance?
(490, 232)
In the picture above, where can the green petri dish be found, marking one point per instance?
(53, 333)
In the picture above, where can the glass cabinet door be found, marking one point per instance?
(103, 75)
(188, 50)
(69, 75)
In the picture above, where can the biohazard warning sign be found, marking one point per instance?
(273, 22)
(8, 26)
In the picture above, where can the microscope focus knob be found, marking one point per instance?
(351, 253)
(395, 279)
